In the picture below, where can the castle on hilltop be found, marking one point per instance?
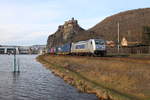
(65, 33)
(68, 28)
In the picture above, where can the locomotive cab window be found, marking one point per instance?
(98, 42)
(82, 46)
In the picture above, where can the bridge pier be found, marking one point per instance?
(5, 51)
(17, 50)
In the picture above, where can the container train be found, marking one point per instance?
(95, 47)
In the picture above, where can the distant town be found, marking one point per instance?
(34, 49)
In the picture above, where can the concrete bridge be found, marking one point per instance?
(35, 49)
(9, 50)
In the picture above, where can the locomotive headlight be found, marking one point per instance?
(103, 46)
(100, 47)
(97, 47)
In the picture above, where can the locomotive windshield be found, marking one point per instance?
(99, 42)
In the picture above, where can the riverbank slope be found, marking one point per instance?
(110, 78)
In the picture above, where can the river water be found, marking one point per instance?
(34, 82)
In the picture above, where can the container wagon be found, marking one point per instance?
(64, 49)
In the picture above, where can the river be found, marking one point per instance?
(34, 82)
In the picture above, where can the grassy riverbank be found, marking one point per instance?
(109, 78)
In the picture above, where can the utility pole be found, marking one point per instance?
(118, 38)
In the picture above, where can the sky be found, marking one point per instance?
(30, 22)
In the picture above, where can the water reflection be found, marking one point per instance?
(34, 82)
(15, 76)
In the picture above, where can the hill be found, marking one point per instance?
(134, 25)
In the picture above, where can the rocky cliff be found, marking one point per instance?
(134, 25)
(65, 33)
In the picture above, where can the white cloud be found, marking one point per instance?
(20, 24)
(19, 13)
(31, 21)
(23, 33)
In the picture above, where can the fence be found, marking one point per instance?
(129, 50)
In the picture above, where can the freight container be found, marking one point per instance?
(64, 49)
